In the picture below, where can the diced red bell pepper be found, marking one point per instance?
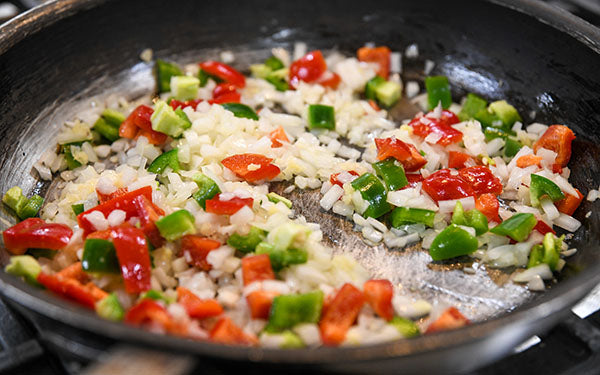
(230, 97)
(378, 294)
(457, 159)
(36, 233)
(374, 105)
(277, 136)
(123, 202)
(481, 179)
(425, 125)
(557, 138)
(260, 302)
(74, 271)
(488, 205)
(451, 318)
(528, 160)
(341, 314)
(147, 212)
(543, 228)
(223, 89)
(334, 178)
(106, 197)
(242, 165)
(72, 289)
(216, 206)
(140, 119)
(174, 103)
(197, 249)
(134, 258)
(153, 137)
(379, 55)
(446, 184)
(150, 313)
(226, 332)
(413, 179)
(197, 307)
(308, 68)
(405, 153)
(224, 72)
(329, 79)
(569, 204)
(257, 268)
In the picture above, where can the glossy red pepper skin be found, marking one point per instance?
(72, 289)
(481, 179)
(457, 159)
(138, 123)
(257, 268)
(340, 314)
(197, 249)
(379, 55)
(102, 198)
(308, 68)
(451, 318)
(425, 125)
(226, 332)
(223, 89)
(568, 205)
(148, 214)
(134, 258)
(149, 313)
(197, 307)
(231, 97)
(413, 180)
(259, 303)
(238, 164)
(378, 294)
(229, 207)
(405, 153)
(334, 178)
(278, 136)
(224, 72)
(446, 184)
(488, 205)
(557, 138)
(330, 79)
(36, 233)
(543, 228)
(174, 103)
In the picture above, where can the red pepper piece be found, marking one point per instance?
(106, 197)
(197, 307)
(308, 68)
(138, 123)
(446, 184)
(36, 233)
(134, 258)
(481, 179)
(569, 204)
(329, 79)
(231, 97)
(341, 314)
(334, 178)
(226, 332)
(257, 268)
(379, 55)
(71, 289)
(147, 212)
(174, 103)
(405, 153)
(223, 89)
(413, 179)
(197, 249)
(216, 206)
(260, 302)
(224, 72)
(528, 160)
(457, 159)
(149, 313)
(374, 105)
(543, 228)
(277, 136)
(425, 125)
(378, 294)
(488, 205)
(75, 272)
(557, 138)
(239, 165)
(153, 137)
(451, 318)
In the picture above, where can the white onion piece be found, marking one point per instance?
(536, 284)
(549, 209)
(541, 270)
(468, 203)
(332, 196)
(567, 222)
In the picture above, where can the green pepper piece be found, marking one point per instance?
(540, 187)
(321, 117)
(373, 191)
(292, 309)
(516, 227)
(452, 242)
(281, 258)
(241, 110)
(471, 107)
(392, 173)
(71, 162)
(406, 327)
(511, 147)
(77, 208)
(493, 133)
(99, 256)
(176, 225)
(487, 119)
(279, 83)
(112, 117)
(207, 189)
(506, 113)
(168, 121)
(552, 246)
(203, 77)
(371, 87)
(24, 266)
(110, 308)
(388, 93)
(288, 235)
(438, 90)
(260, 70)
(156, 296)
(408, 215)
(274, 63)
(472, 218)
(164, 72)
(167, 159)
(536, 256)
(106, 130)
(31, 207)
(276, 198)
(14, 198)
(247, 243)
(185, 87)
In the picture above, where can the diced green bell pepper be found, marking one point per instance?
(536, 256)
(511, 145)
(372, 85)
(276, 198)
(487, 119)
(185, 87)
(506, 113)
(106, 130)
(288, 235)
(388, 93)
(155, 295)
(14, 198)
(241, 110)
(392, 173)
(164, 72)
(77, 208)
(31, 207)
(552, 246)
(408, 215)
(274, 63)
(167, 121)
(406, 327)
(99, 256)
(281, 258)
(247, 243)
(112, 117)
(292, 309)
(203, 77)
(260, 70)
(110, 308)
(176, 225)
(452, 242)
(71, 162)
(167, 159)
(207, 189)
(516, 227)
(472, 218)
(24, 266)
(278, 79)
(372, 191)
(472, 105)
(321, 117)
(438, 90)
(540, 187)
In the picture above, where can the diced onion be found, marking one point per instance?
(447, 206)
(567, 222)
(529, 274)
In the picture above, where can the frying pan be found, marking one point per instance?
(541, 59)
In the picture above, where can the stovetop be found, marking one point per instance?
(570, 348)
